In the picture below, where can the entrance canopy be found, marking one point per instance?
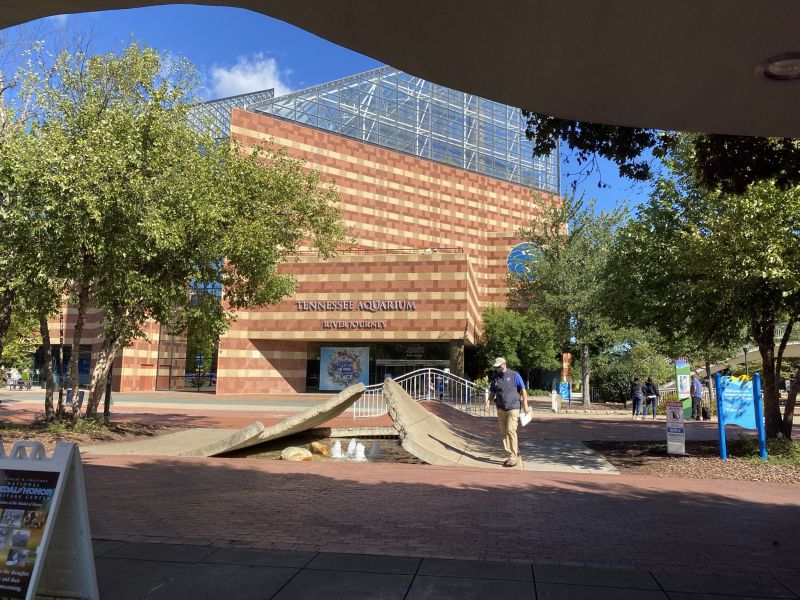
(720, 66)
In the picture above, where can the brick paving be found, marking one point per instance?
(247, 516)
(424, 511)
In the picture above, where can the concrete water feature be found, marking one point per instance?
(211, 442)
(438, 442)
(373, 447)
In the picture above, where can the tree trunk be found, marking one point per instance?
(766, 347)
(6, 303)
(73, 378)
(97, 385)
(791, 401)
(49, 411)
(788, 413)
(712, 384)
(586, 391)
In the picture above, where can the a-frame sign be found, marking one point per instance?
(45, 542)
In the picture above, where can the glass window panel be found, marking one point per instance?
(386, 130)
(352, 130)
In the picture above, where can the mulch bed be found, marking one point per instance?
(116, 432)
(701, 462)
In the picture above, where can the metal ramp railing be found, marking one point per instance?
(424, 384)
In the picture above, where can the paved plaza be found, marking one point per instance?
(310, 530)
(186, 527)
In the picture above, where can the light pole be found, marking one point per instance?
(745, 349)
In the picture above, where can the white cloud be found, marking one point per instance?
(58, 21)
(249, 74)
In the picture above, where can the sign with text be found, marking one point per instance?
(45, 542)
(25, 501)
(736, 401)
(356, 305)
(683, 382)
(676, 430)
(739, 403)
(342, 367)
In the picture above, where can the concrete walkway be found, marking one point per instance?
(127, 571)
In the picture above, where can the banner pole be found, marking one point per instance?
(762, 438)
(723, 449)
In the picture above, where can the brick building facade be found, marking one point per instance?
(432, 242)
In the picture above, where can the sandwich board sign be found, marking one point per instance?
(45, 542)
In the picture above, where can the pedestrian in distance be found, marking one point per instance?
(508, 392)
(651, 396)
(637, 396)
(696, 392)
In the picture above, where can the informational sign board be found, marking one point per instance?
(563, 391)
(683, 382)
(676, 430)
(739, 403)
(736, 400)
(342, 367)
(45, 543)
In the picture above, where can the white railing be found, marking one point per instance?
(423, 384)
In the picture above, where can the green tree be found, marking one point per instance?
(705, 266)
(527, 340)
(145, 206)
(565, 277)
(726, 162)
(616, 368)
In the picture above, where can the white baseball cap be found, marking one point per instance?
(499, 361)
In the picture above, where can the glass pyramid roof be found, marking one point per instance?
(215, 115)
(395, 110)
(390, 108)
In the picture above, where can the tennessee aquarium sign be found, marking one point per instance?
(371, 306)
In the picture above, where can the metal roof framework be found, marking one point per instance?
(393, 109)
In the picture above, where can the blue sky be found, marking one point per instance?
(239, 51)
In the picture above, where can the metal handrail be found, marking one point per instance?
(424, 384)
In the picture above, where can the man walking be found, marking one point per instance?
(507, 391)
(696, 391)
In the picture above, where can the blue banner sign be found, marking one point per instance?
(563, 391)
(739, 403)
(736, 401)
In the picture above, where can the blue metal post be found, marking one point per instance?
(723, 449)
(762, 437)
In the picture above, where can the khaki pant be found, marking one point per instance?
(508, 420)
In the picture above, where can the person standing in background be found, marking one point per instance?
(696, 392)
(651, 396)
(637, 396)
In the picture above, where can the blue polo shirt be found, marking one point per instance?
(507, 387)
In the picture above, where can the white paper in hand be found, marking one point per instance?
(525, 418)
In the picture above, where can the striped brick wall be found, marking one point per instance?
(397, 207)
(390, 200)
(247, 365)
(134, 368)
